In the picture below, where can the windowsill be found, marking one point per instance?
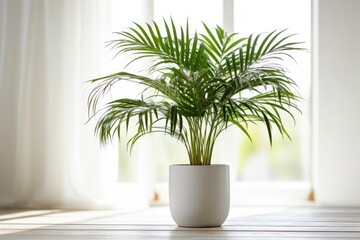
(256, 194)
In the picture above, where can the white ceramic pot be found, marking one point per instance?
(199, 196)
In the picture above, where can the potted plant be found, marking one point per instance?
(196, 87)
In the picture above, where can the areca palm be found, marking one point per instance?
(198, 85)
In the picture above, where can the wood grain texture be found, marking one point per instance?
(156, 223)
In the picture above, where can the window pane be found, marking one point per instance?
(196, 11)
(286, 160)
(166, 150)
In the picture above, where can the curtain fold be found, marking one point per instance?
(48, 156)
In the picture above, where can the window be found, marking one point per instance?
(256, 163)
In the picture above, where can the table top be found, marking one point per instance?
(156, 223)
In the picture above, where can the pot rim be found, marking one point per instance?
(193, 166)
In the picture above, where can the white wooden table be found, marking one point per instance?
(156, 223)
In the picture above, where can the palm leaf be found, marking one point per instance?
(200, 84)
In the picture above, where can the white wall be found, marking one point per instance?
(337, 101)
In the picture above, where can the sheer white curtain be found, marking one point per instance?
(48, 156)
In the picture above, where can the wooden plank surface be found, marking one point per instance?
(156, 223)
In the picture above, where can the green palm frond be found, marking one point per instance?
(199, 85)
